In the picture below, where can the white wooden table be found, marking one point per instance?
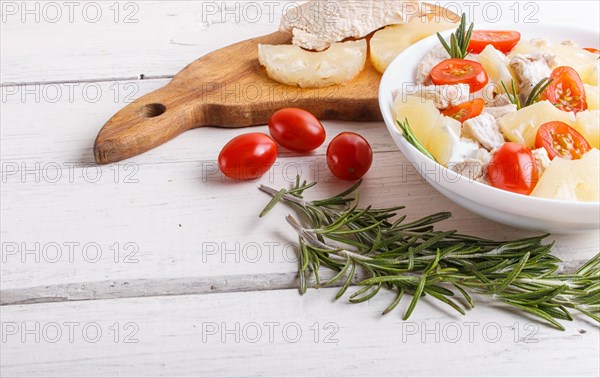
(158, 267)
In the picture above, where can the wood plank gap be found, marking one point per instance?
(144, 288)
(141, 77)
(116, 289)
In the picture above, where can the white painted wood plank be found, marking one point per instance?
(101, 40)
(58, 123)
(181, 220)
(159, 38)
(219, 234)
(277, 335)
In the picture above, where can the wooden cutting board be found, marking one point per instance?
(229, 88)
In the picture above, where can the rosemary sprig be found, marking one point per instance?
(412, 139)
(459, 40)
(414, 258)
(533, 97)
(537, 91)
(513, 95)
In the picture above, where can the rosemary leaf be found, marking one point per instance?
(444, 299)
(395, 303)
(416, 297)
(354, 299)
(513, 274)
(537, 91)
(512, 94)
(412, 139)
(348, 281)
(273, 202)
(465, 295)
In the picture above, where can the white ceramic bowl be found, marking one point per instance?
(563, 217)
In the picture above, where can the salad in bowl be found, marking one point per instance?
(510, 120)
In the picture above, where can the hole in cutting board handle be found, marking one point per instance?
(152, 110)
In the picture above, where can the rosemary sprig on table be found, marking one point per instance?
(533, 97)
(412, 139)
(414, 258)
(459, 40)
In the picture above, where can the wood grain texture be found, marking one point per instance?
(228, 88)
(172, 210)
(132, 38)
(174, 205)
(35, 52)
(228, 335)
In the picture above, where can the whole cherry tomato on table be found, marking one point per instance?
(465, 111)
(248, 156)
(566, 91)
(460, 71)
(297, 130)
(561, 140)
(349, 156)
(513, 168)
(502, 40)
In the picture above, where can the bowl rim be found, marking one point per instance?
(485, 189)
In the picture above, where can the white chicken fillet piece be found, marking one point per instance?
(317, 24)
(484, 129)
(430, 60)
(443, 96)
(542, 160)
(530, 69)
(500, 111)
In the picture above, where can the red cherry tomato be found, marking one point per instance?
(466, 110)
(248, 156)
(502, 40)
(349, 156)
(561, 140)
(297, 130)
(460, 71)
(592, 50)
(513, 168)
(566, 90)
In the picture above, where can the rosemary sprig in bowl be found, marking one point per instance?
(412, 139)
(459, 40)
(414, 258)
(534, 96)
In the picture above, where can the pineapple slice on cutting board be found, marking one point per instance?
(388, 43)
(571, 180)
(291, 65)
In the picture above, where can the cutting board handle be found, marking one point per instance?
(145, 124)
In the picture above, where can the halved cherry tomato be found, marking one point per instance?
(592, 50)
(466, 110)
(460, 71)
(297, 130)
(566, 90)
(503, 40)
(513, 168)
(349, 156)
(248, 156)
(561, 140)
